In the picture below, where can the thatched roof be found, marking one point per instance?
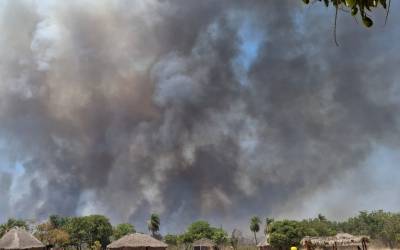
(264, 243)
(18, 238)
(204, 243)
(136, 240)
(341, 239)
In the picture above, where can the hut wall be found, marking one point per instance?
(203, 248)
(352, 247)
(128, 248)
(140, 248)
(156, 248)
(264, 247)
(35, 248)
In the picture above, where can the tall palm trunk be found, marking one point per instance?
(255, 237)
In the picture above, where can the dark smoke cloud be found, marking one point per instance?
(129, 107)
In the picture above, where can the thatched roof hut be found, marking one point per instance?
(339, 241)
(264, 245)
(204, 244)
(137, 241)
(19, 238)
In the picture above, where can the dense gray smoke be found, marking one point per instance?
(193, 109)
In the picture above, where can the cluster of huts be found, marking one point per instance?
(341, 241)
(20, 239)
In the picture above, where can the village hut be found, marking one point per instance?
(204, 244)
(18, 238)
(341, 241)
(137, 241)
(264, 245)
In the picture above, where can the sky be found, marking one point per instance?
(214, 110)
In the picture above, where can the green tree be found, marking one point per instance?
(57, 221)
(99, 229)
(122, 229)
(366, 223)
(89, 229)
(199, 229)
(77, 228)
(255, 226)
(153, 224)
(11, 223)
(202, 229)
(267, 227)
(319, 226)
(185, 239)
(380, 225)
(288, 233)
(171, 239)
(279, 240)
(219, 236)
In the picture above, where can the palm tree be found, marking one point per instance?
(267, 228)
(154, 224)
(255, 226)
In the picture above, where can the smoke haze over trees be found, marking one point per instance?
(194, 110)
(382, 227)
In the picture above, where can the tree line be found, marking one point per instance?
(196, 231)
(96, 232)
(379, 225)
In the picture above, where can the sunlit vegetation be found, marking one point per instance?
(95, 231)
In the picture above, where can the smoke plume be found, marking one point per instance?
(192, 109)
